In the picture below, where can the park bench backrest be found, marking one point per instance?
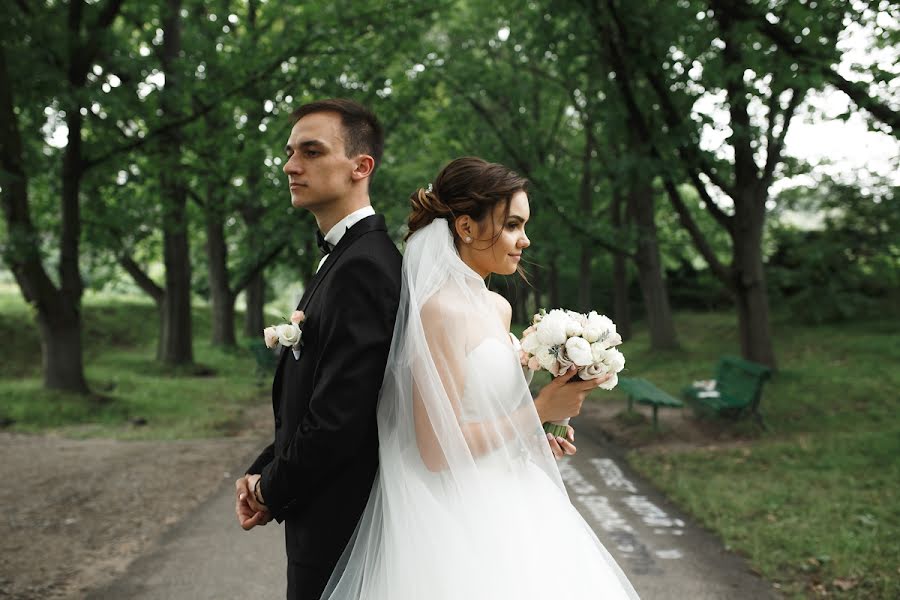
(740, 381)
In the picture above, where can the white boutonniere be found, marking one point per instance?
(289, 334)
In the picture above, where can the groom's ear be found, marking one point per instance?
(365, 165)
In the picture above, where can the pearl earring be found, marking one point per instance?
(468, 240)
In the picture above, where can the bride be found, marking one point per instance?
(468, 502)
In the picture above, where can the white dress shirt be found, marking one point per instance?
(337, 232)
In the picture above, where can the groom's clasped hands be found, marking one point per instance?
(250, 512)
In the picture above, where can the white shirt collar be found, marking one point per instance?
(335, 234)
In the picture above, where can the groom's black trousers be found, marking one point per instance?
(306, 582)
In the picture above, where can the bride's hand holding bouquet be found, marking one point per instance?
(562, 397)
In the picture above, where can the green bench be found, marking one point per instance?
(736, 390)
(643, 392)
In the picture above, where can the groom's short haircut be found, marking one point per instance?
(362, 132)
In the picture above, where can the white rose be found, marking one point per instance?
(289, 334)
(610, 383)
(598, 351)
(270, 334)
(615, 360)
(551, 330)
(591, 334)
(609, 339)
(593, 371)
(574, 328)
(605, 328)
(577, 317)
(562, 364)
(578, 351)
(601, 322)
(546, 359)
(531, 343)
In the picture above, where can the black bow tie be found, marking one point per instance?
(323, 244)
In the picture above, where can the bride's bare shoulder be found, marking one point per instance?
(442, 305)
(504, 309)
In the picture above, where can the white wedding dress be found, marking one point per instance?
(468, 502)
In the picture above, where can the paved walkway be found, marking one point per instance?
(664, 555)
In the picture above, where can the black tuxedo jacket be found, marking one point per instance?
(317, 475)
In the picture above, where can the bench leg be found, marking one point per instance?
(760, 420)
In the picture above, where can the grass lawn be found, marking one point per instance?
(128, 384)
(814, 503)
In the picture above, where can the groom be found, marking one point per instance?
(317, 474)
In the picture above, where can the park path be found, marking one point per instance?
(664, 554)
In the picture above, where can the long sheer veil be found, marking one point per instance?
(462, 452)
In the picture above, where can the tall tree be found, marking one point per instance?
(176, 335)
(715, 48)
(57, 304)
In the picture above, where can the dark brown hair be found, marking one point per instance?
(467, 186)
(362, 132)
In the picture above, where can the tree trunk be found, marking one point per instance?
(554, 283)
(58, 313)
(223, 321)
(252, 214)
(176, 341)
(61, 349)
(621, 306)
(586, 208)
(584, 277)
(61, 342)
(175, 345)
(520, 308)
(650, 275)
(538, 282)
(142, 280)
(251, 211)
(642, 210)
(749, 194)
(253, 318)
(221, 297)
(750, 284)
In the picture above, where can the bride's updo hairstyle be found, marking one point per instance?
(467, 186)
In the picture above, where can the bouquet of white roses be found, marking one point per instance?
(559, 339)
